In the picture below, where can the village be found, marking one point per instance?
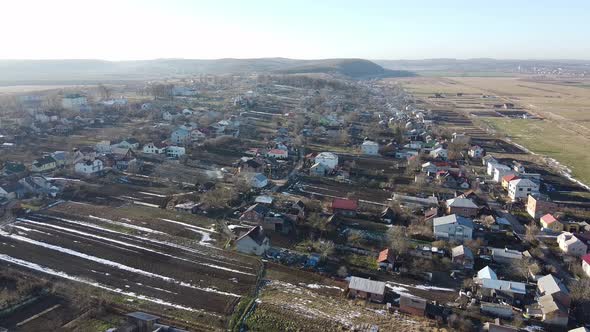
(228, 202)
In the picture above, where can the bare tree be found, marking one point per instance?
(398, 240)
(532, 231)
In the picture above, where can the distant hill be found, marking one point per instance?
(38, 71)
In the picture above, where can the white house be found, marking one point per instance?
(439, 152)
(128, 143)
(170, 115)
(571, 245)
(370, 148)
(74, 102)
(328, 159)
(103, 147)
(180, 136)
(453, 228)
(277, 154)
(154, 148)
(491, 166)
(89, 167)
(175, 151)
(500, 171)
(521, 188)
(476, 151)
(253, 242)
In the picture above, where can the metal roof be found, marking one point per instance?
(504, 285)
(366, 285)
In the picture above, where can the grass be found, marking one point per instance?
(547, 138)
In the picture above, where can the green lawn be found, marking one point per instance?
(548, 139)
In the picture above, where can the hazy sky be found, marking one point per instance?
(203, 29)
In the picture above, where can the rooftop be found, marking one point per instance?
(460, 202)
(366, 285)
(452, 219)
(344, 204)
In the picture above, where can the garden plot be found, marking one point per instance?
(308, 306)
(147, 261)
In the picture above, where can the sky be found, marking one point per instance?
(302, 29)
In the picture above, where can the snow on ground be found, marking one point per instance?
(139, 228)
(403, 287)
(318, 286)
(111, 263)
(130, 245)
(151, 194)
(146, 204)
(46, 270)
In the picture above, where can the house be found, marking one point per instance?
(250, 165)
(539, 204)
(279, 222)
(253, 241)
(345, 207)
(45, 164)
(121, 158)
(277, 154)
(506, 180)
(318, 169)
(553, 312)
(103, 147)
(255, 213)
(170, 115)
(440, 153)
(521, 188)
(144, 322)
(571, 245)
(453, 228)
(412, 305)
(154, 148)
(366, 289)
(180, 136)
(257, 180)
(476, 151)
(488, 159)
(385, 260)
(11, 167)
(39, 185)
(462, 256)
(501, 171)
(10, 190)
(74, 102)
(198, 135)
(462, 206)
(505, 255)
(497, 326)
(370, 148)
(328, 159)
(549, 222)
(511, 292)
(173, 151)
(89, 167)
(128, 143)
(549, 285)
(486, 273)
(496, 309)
(263, 199)
(586, 264)
(61, 158)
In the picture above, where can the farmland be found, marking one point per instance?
(559, 122)
(142, 258)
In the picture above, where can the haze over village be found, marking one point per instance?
(223, 166)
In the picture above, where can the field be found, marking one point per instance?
(311, 301)
(144, 257)
(564, 110)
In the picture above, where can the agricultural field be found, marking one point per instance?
(559, 113)
(310, 301)
(145, 258)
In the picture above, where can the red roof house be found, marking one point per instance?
(347, 207)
